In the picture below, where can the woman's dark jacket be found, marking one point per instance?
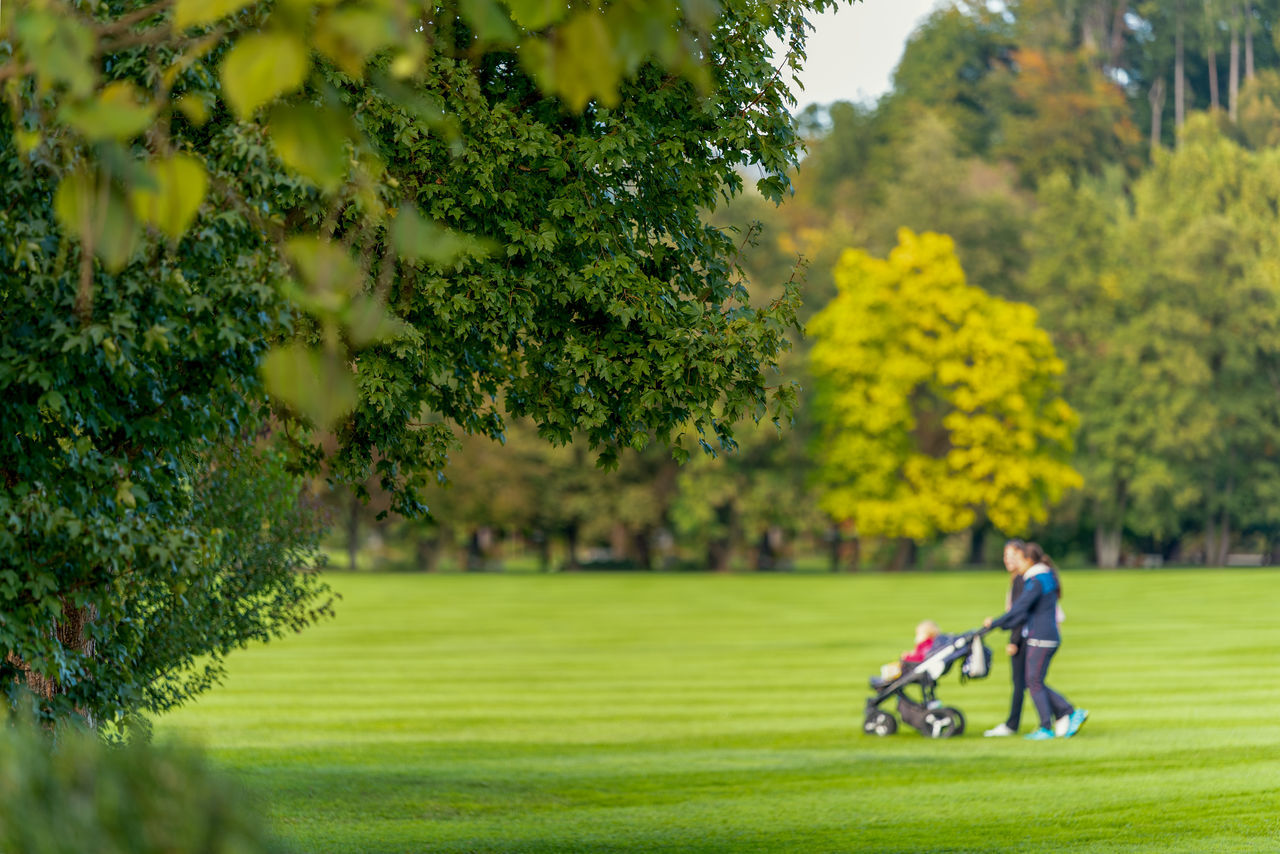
(1036, 607)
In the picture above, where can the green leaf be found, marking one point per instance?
(316, 384)
(27, 141)
(488, 20)
(579, 65)
(60, 47)
(194, 108)
(367, 321)
(192, 13)
(73, 202)
(326, 267)
(423, 108)
(52, 399)
(179, 184)
(349, 36)
(116, 113)
(96, 213)
(312, 142)
(124, 494)
(417, 239)
(536, 14)
(701, 13)
(260, 67)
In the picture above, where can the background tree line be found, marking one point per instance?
(1111, 164)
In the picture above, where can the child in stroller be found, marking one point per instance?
(927, 714)
(925, 634)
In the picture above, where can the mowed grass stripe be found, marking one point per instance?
(722, 713)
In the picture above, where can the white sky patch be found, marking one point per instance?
(854, 49)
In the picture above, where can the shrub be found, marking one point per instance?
(77, 794)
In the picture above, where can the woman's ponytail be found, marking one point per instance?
(1036, 554)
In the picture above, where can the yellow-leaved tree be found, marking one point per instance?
(936, 401)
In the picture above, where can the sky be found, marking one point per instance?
(853, 51)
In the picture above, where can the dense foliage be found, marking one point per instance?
(1152, 278)
(937, 402)
(246, 246)
(80, 794)
(143, 519)
(1108, 163)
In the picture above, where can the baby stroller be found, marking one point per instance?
(927, 714)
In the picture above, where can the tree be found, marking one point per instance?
(146, 525)
(1208, 310)
(1166, 314)
(946, 64)
(758, 497)
(1075, 284)
(937, 188)
(1063, 114)
(1259, 116)
(401, 219)
(936, 402)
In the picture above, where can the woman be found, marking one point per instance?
(1016, 647)
(1037, 607)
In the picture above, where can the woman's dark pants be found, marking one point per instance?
(1018, 666)
(1049, 703)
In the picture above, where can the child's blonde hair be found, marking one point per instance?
(928, 629)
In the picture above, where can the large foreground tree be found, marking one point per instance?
(400, 219)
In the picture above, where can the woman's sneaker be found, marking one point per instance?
(998, 731)
(1061, 725)
(1040, 735)
(1078, 717)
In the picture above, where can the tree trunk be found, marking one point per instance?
(978, 543)
(642, 546)
(71, 631)
(353, 532)
(1224, 538)
(1156, 97)
(1093, 27)
(846, 551)
(480, 549)
(543, 541)
(1248, 41)
(1233, 72)
(1179, 75)
(1106, 546)
(619, 541)
(1217, 539)
(1210, 540)
(426, 552)
(769, 550)
(718, 555)
(1117, 34)
(1214, 105)
(904, 555)
(1224, 525)
(720, 548)
(571, 545)
(851, 552)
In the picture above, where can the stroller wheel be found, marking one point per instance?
(943, 723)
(880, 723)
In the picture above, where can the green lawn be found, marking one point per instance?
(639, 713)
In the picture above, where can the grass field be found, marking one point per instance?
(640, 713)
